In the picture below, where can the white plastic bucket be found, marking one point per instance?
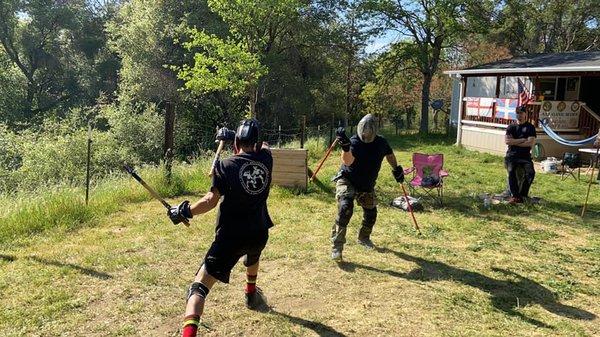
(550, 165)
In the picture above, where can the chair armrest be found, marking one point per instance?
(444, 173)
(409, 170)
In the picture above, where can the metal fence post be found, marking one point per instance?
(89, 155)
(302, 131)
(279, 138)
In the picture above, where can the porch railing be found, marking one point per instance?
(589, 121)
(533, 113)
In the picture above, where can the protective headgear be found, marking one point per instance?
(367, 129)
(248, 131)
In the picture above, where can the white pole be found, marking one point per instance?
(460, 111)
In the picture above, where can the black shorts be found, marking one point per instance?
(226, 251)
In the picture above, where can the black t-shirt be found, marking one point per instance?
(367, 162)
(520, 131)
(244, 181)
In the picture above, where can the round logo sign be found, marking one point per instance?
(561, 106)
(254, 177)
(575, 106)
(547, 106)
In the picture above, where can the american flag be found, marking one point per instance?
(524, 95)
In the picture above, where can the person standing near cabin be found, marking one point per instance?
(243, 220)
(362, 155)
(520, 138)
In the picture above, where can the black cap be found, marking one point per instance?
(248, 131)
(521, 108)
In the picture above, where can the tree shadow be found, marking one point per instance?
(507, 295)
(319, 328)
(83, 270)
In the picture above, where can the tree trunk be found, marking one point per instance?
(253, 98)
(348, 90)
(425, 91)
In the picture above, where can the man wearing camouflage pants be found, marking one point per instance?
(362, 155)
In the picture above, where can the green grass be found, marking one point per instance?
(119, 268)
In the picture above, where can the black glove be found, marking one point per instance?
(342, 139)
(180, 213)
(398, 173)
(225, 134)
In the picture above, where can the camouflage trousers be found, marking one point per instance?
(346, 194)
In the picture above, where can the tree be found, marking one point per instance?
(353, 33)
(541, 26)
(219, 65)
(260, 27)
(48, 41)
(427, 28)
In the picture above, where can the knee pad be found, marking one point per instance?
(345, 209)
(369, 216)
(199, 289)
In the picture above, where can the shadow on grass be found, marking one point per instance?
(83, 270)
(7, 258)
(319, 328)
(507, 295)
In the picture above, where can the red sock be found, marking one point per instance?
(250, 284)
(190, 326)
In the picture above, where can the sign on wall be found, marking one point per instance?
(562, 114)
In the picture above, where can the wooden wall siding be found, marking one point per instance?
(487, 140)
(491, 140)
(289, 167)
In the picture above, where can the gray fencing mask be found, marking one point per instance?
(367, 129)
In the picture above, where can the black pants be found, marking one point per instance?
(513, 166)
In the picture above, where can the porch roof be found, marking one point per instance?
(580, 61)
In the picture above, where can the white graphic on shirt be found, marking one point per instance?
(254, 177)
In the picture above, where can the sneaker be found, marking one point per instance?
(336, 255)
(515, 200)
(256, 301)
(367, 243)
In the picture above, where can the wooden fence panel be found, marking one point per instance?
(289, 167)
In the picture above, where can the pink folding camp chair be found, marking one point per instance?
(428, 176)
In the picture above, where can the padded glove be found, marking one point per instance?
(398, 173)
(225, 134)
(342, 139)
(180, 213)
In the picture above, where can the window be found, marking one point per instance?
(557, 88)
(547, 88)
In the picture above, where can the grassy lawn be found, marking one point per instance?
(527, 270)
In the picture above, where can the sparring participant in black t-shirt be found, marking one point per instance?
(520, 138)
(243, 220)
(362, 155)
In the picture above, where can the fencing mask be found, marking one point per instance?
(367, 129)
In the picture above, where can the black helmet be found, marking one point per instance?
(248, 132)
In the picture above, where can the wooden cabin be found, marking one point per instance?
(564, 87)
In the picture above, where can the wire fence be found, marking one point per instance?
(281, 136)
